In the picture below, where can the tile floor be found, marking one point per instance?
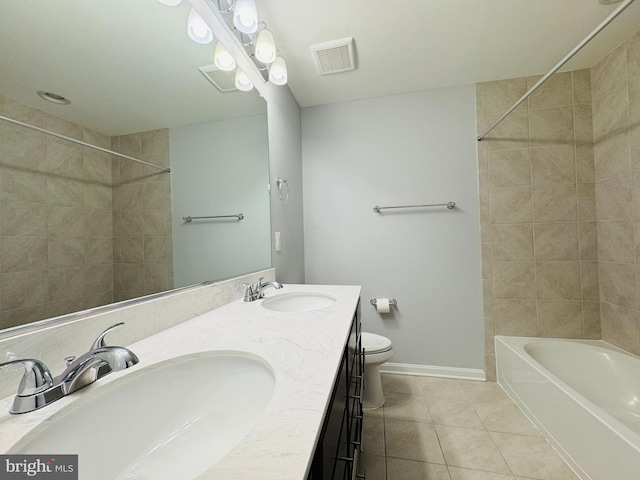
(443, 429)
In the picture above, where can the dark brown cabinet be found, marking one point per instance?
(338, 450)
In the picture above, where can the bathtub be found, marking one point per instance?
(583, 395)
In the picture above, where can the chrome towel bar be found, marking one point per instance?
(449, 205)
(239, 216)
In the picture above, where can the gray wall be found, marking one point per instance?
(405, 149)
(285, 161)
(220, 168)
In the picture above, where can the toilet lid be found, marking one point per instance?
(373, 343)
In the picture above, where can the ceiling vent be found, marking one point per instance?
(223, 81)
(334, 57)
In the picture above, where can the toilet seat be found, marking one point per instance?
(373, 343)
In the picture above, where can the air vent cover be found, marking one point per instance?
(334, 57)
(223, 81)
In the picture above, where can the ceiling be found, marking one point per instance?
(129, 66)
(126, 65)
(414, 45)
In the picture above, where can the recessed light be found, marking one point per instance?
(54, 97)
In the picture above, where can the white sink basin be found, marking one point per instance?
(298, 302)
(167, 421)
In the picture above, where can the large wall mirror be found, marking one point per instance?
(79, 227)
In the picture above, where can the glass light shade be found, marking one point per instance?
(170, 3)
(197, 29)
(242, 81)
(223, 59)
(265, 47)
(278, 72)
(245, 16)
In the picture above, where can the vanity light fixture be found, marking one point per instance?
(197, 29)
(223, 59)
(278, 71)
(265, 49)
(170, 3)
(242, 81)
(245, 16)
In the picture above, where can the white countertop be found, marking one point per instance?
(304, 349)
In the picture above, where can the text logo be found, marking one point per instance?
(49, 467)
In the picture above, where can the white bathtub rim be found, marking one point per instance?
(610, 422)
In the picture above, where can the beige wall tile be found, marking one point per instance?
(65, 221)
(22, 185)
(557, 91)
(515, 317)
(616, 241)
(20, 316)
(558, 280)
(591, 319)
(98, 223)
(556, 241)
(614, 198)
(98, 278)
(98, 197)
(611, 112)
(590, 281)
(65, 191)
(22, 254)
(487, 261)
(634, 140)
(156, 222)
(581, 86)
(620, 326)
(586, 202)
(512, 242)
(551, 126)
(501, 94)
(555, 164)
(23, 219)
(618, 283)
(130, 145)
(612, 156)
(99, 251)
(485, 224)
(157, 249)
(508, 168)
(97, 167)
(555, 203)
(633, 58)
(66, 283)
(64, 159)
(155, 142)
(588, 241)
(132, 277)
(514, 280)
(66, 252)
(585, 164)
(512, 133)
(609, 73)
(560, 319)
(583, 124)
(510, 205)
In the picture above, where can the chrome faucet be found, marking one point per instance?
(38, 389)
(256, 292)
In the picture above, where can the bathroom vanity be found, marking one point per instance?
(250, 390)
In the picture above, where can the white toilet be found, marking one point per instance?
(377, 350)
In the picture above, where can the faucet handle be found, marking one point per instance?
(36, 378)
(259, 284)
(100, 343)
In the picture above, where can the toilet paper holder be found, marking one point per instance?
(392, 302)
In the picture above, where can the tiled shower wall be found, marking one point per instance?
(616, 126)
(57, 204)
(143, 254)
(538, 215)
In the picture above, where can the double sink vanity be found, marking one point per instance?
(264, 389)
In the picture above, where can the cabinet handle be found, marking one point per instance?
(345, 459)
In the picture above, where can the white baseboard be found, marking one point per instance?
(433, 371)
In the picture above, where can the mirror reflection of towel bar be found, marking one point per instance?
(239, 216)
(449, 205)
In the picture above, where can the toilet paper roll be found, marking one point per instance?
(383, 305)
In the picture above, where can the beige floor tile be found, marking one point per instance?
(374, 466)
(456, 412)
(402, 406)
(401, 469)
(470, 448)
(502, 417)
(412, 441)
(401, 384)
(373, 436)
(467, 474)
(482, 392)
(442, 387)
(532, 457)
